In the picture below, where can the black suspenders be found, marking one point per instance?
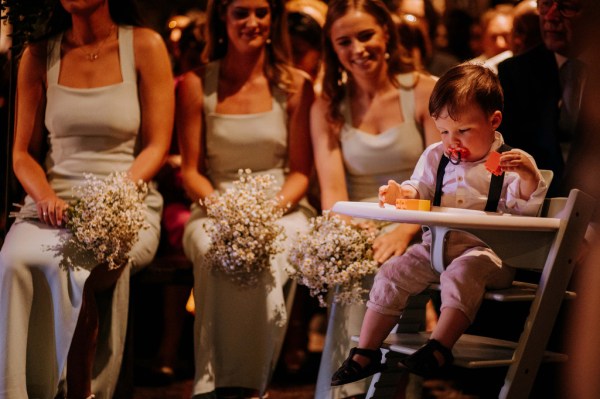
(495, 184)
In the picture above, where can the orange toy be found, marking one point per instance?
(493, 163)
(413, 204)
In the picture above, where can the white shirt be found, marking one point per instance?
(467, 184)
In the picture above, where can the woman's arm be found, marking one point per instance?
(189, 128)
(422, 94)
(29, 135)
(328, 157)
(299, 145)
(155, 85)
(396, 241)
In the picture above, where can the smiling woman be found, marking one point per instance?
(370, 125)
(83, 90)
(246, 109)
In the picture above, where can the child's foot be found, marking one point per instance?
(429, 359)
(352, 371)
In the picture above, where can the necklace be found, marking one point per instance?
(94, 54)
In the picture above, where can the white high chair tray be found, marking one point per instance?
(450, 217)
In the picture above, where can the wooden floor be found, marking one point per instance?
(283, 386)
(183, 390)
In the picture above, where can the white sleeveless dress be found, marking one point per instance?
(239, 331)
(370, 160)
(90, 131)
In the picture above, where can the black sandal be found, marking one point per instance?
(352, 371)
(424, 362)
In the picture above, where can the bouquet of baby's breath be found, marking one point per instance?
(107, 216)
(244, 235)
(334, 253)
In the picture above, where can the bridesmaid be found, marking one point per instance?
(105, 109)
(370, 125)
(248, 108)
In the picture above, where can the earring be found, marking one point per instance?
(343, 77)
(269, 40)
(386, 55)
(220, 40)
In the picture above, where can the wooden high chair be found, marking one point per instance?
(548, 244)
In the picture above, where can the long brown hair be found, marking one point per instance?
(333, 81)
(277, 68)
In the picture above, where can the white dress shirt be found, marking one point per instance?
(467, 184)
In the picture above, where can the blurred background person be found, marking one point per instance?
(304, 338)
(495, 27)
(582, 337)
(526, 32)
(463, 34)
(305, 20)
(541, 97)
(186, 39)
(419, 26)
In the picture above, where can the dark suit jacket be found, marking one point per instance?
(530, 119)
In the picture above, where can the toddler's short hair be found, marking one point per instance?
(462, 85)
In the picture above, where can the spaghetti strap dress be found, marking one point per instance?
(94, 131)
(239, 332)
(370, 160)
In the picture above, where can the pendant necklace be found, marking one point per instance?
(93, 55)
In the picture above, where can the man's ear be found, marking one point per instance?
(496, 119)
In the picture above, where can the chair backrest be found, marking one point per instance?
(556, 251)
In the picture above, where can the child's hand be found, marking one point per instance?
(389, 193)
(516, 161)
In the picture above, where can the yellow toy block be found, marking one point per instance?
(413, 204)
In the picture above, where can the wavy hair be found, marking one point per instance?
(277, 69)
(334, 83)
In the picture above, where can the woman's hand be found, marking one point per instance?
(52, 210)
(393, 243)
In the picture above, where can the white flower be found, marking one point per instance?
(106, 217)
(333, 253)
(244, 234)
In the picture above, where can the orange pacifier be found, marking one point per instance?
(457, 154)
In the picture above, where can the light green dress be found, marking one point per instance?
(90, 131)
(239, 331)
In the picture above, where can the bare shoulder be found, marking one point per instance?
(33, 59)
(300, 80)
(425, 84)
(319, 106)
(190, 88)
(191, 79)
(301, 92)
(147, 40)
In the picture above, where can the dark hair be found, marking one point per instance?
(462, 85)
(122, 12)
(398, 62)
(304, 26)
(412, 32)
(277, 69)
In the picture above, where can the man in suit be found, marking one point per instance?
(536, 116)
